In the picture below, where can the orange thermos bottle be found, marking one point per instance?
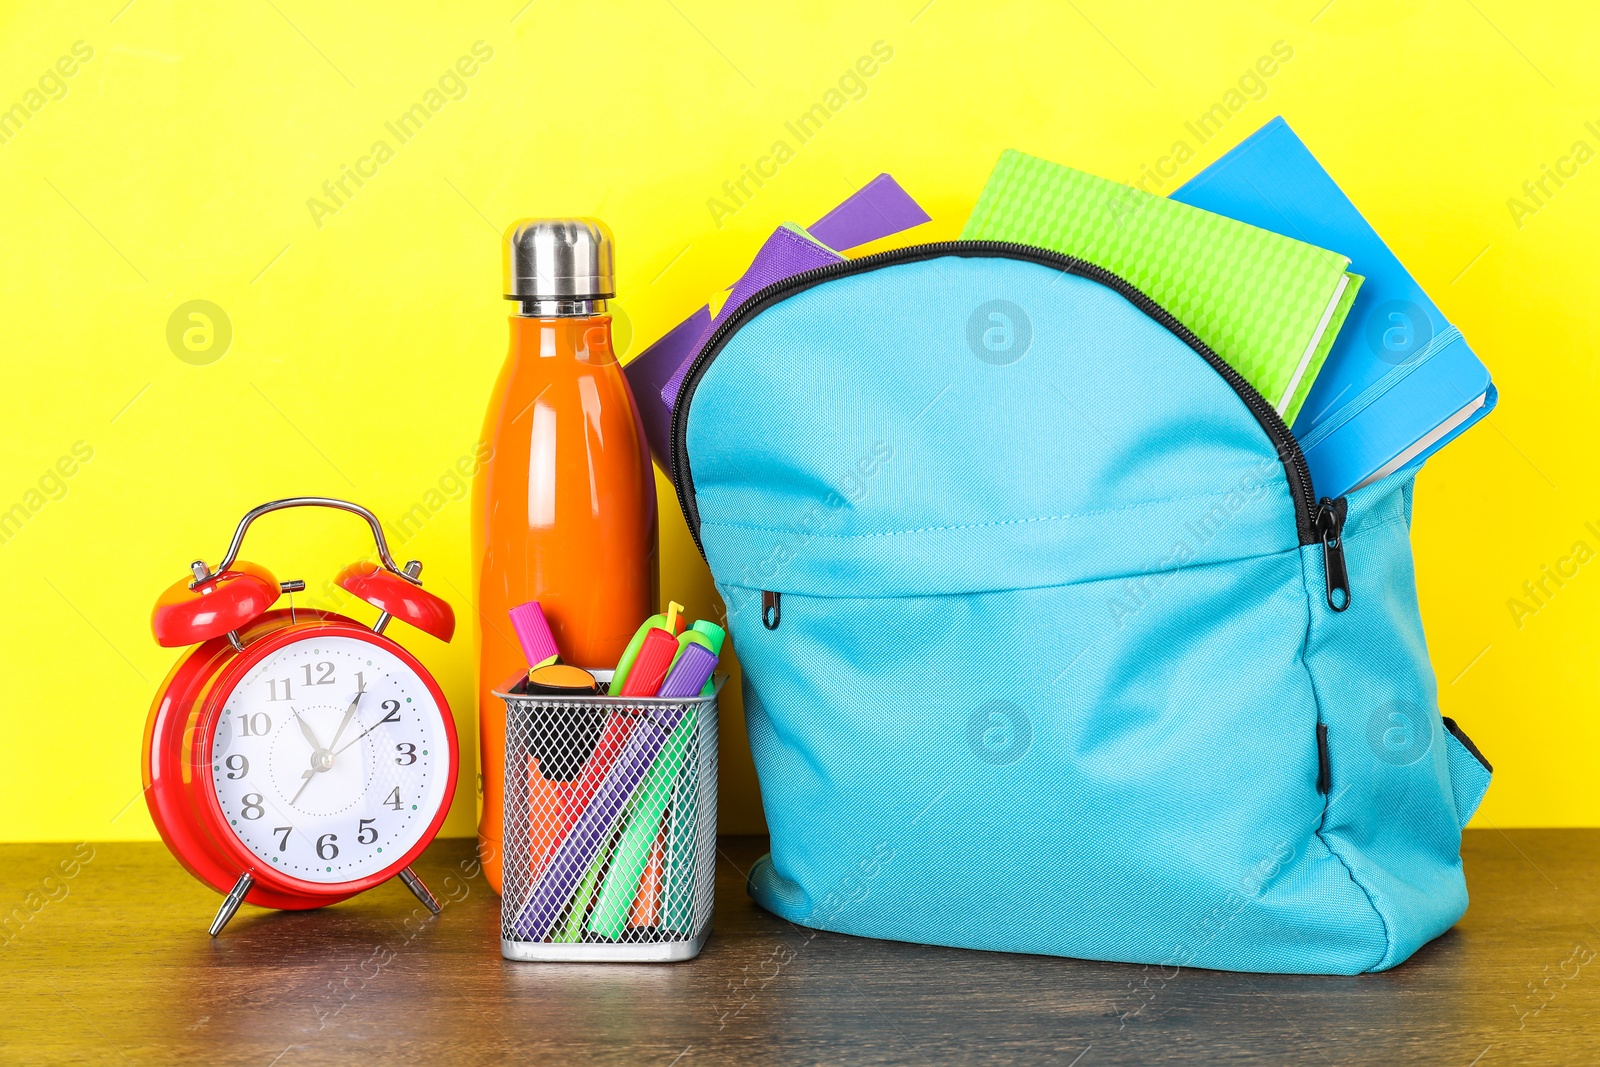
(564, 509)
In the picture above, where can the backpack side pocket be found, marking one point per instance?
(1470, 773)
(1394, 808)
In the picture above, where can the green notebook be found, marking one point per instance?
(1269, 305)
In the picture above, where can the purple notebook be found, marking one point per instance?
(785, 254)
(879, 209)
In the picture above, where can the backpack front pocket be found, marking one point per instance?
(1138, 781)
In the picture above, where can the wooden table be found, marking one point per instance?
(113, 966)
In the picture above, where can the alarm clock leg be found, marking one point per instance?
(231, 902)
(413, 883)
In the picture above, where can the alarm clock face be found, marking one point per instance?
(330, 758)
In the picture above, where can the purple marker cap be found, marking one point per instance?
(689, 674)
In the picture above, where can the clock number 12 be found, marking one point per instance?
(324, 673)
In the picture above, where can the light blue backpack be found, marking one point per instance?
(1048, 645)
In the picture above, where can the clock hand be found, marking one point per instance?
(363, 733)
(321, 758)
(308, 775)
(305, 728)
(349, 713)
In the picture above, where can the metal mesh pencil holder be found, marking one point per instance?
(610, 825)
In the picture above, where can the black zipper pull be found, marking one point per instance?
(771, 609)
(1330, 525)
(1324, 769)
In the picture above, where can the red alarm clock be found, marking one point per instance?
(294, 758)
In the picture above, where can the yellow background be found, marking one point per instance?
(179, 162)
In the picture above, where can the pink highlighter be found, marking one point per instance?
(549, 798)
(533, 634)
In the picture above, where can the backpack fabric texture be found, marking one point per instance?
(1037, 649)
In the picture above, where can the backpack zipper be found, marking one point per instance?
(1330, 530)
(1288, 449)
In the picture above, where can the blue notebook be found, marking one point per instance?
(1400, 382)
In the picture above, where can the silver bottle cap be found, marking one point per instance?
(559, 259)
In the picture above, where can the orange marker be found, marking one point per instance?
(547, 804)
(646, 910)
